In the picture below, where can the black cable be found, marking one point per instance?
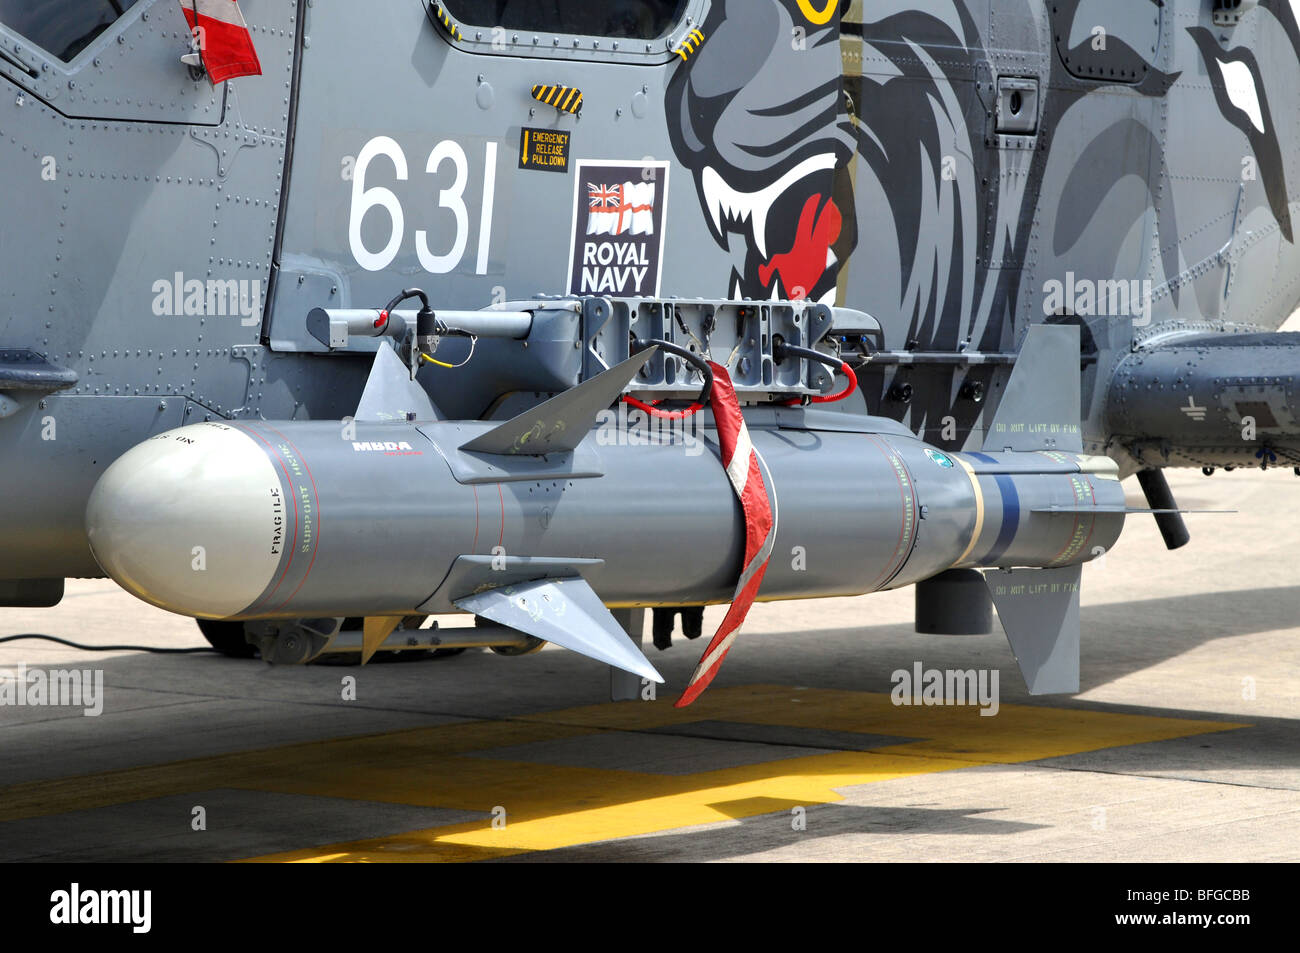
(107, 648)
(407, 294)
(781, 350)
(689, 356)
(426, 321)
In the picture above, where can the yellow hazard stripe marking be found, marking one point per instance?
(565, 98)
(689, 44)
(550, 805)
(979, 510)
(445, 19)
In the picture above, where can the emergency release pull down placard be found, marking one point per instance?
(546, 149)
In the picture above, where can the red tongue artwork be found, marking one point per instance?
(804, 264)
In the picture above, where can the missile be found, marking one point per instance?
(543, 522)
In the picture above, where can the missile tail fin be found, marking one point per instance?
(1039, 609)
(566, 612)
(558, 425)
(1040, 408)
(390, 393)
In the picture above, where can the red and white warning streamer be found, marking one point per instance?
(224, 42)
(741, 460)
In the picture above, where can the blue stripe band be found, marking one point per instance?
(1010, 513)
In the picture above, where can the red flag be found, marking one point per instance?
(222, 37)
(741, 461)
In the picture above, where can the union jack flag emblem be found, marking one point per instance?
(621, 207)
(605, 198)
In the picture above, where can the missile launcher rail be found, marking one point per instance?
(560, 342)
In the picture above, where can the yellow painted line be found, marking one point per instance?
(979, 509)
(624, 804)
(554, 805)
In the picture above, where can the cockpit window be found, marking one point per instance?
(62, 28)
(619, 19)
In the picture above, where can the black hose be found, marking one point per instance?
(406, 296)
(689, 356)
(156, 650)
(781, 350)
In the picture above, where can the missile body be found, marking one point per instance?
(246, 520)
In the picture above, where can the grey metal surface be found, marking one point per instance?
(566, 612)
(27, 370)
(560, 424)
(335, 328)
(1202, 400)
(472, 574)
(368, 519)
(390, 393)
(1039, 610)
(1040, 395)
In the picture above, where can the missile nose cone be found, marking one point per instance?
(191, 520)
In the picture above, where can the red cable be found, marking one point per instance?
(665, 414)
(831, 398)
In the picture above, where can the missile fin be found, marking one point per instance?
(376, 629)
(559, 424)
(564, 611)
(390, 393)
(1086, 509)
(1039, 609)
(1040, 408)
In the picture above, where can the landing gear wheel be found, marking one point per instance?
(515, 651)
(533, 645)
(227, 638)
